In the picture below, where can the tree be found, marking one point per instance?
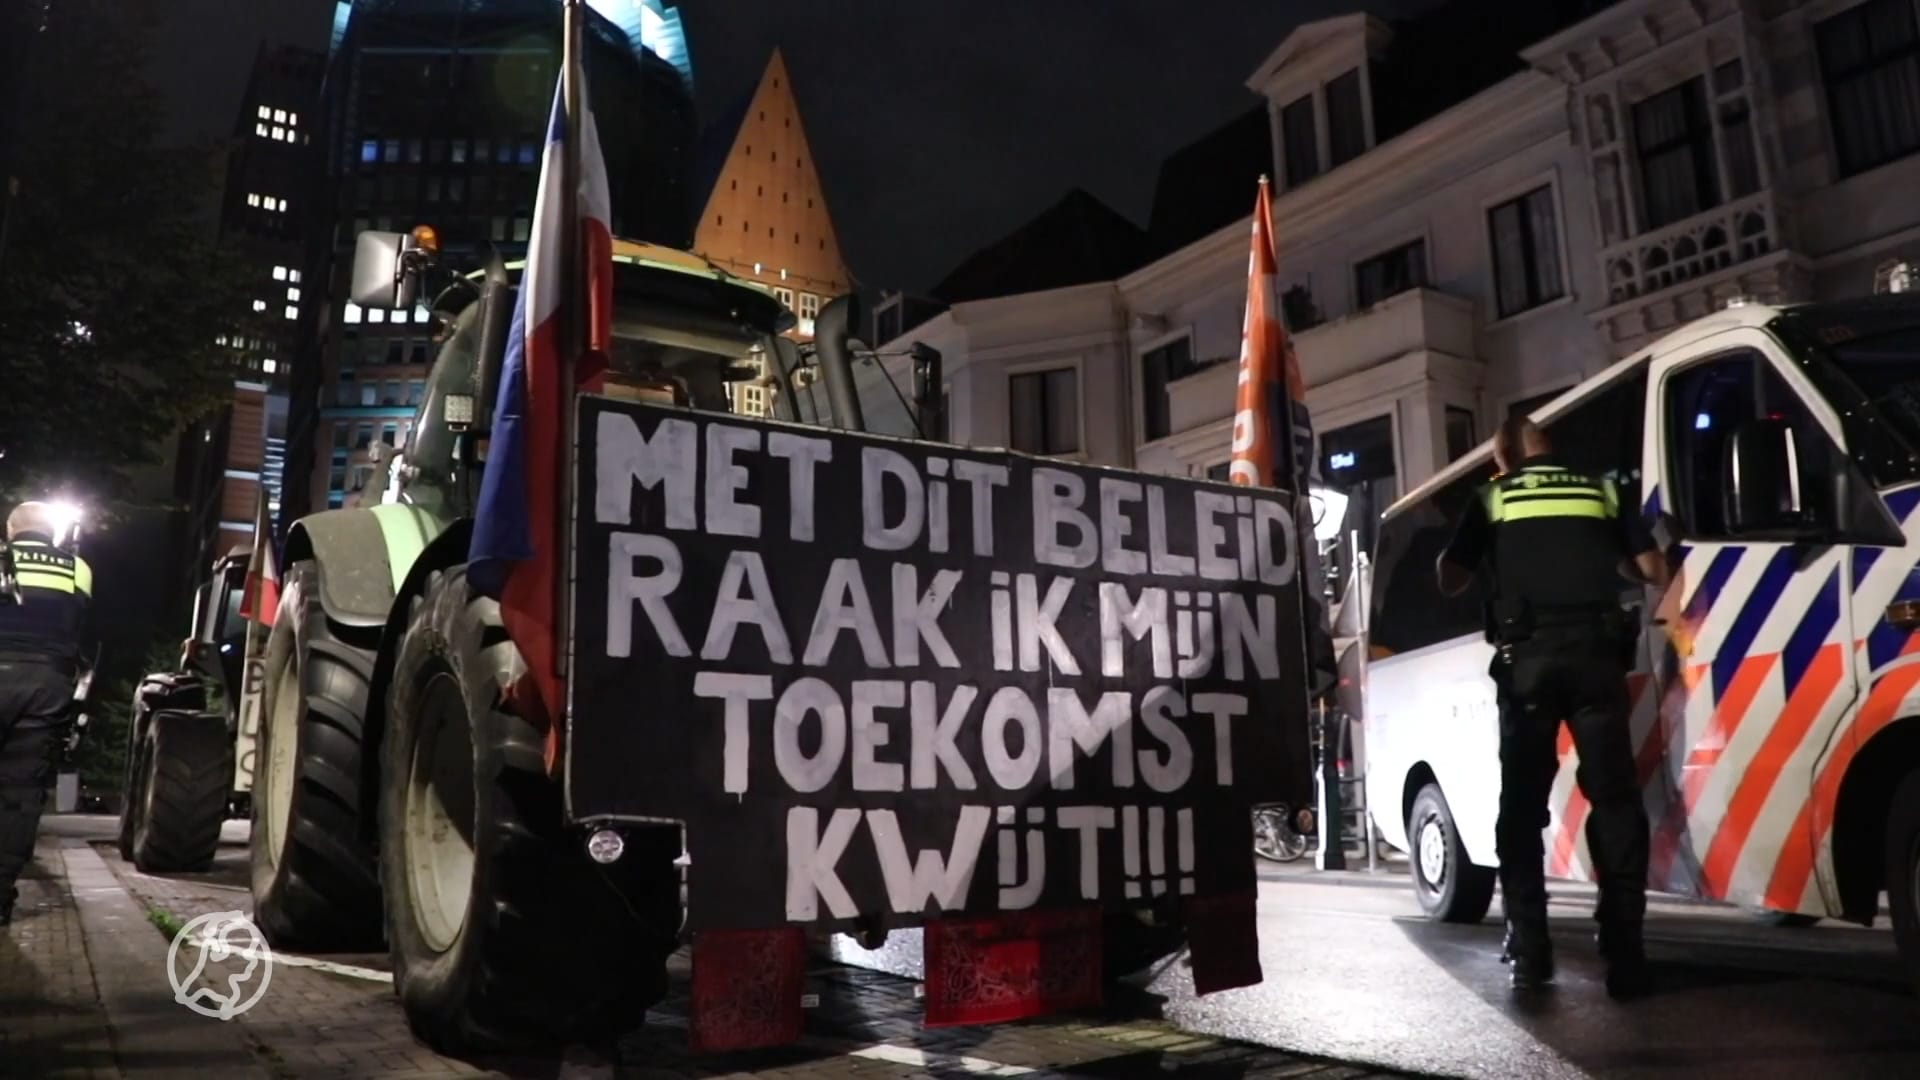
(112, 291)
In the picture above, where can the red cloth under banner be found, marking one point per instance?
(1010, 967)
(746, 989)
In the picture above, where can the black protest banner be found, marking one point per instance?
(889, 680)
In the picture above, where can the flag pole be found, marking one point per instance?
(572, 310)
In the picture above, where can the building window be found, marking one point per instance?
(1301, 141)
(1346, 118)
(293, 276)
(785, 296)
(809, 305)
(1674, 142)
(1870, 61)
(1221, 471)
(459, 151)
(1360, 462)
(264, 113)
(259, 305)
(1159, 369)
(293, 311)
(392, 154)
(416, 391)
(1044, 411)
(1460, 440)
(1737, 145)
(293, 293)
(279, 273)
(369, 393)
(1389, 274)
(1526, 252)
(352, 312)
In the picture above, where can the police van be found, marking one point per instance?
(1776, 696)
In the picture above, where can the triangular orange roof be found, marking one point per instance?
(766, 218)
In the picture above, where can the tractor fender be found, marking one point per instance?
(446, 549)
(363, 556)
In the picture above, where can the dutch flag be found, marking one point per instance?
(515, 553)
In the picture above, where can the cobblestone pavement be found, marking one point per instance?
(339, 1019)
(51, 1020)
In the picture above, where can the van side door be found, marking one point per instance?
(1754, 666)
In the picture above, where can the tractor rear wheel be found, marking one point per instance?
(314, 882)
(505, 935)
(186, 773)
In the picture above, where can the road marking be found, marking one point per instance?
(351, 971)
(922, 1059)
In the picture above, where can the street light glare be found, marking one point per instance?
(66, 515)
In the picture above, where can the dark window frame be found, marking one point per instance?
(1039, 379)
(1835, 78)
(1346, 134)
(1302, 157)
(1695, 139)
(1535, 263)
(1174, 360)
(1370, 288)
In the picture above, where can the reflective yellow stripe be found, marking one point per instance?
(1522, 510)
(57, 580)
(83, 577)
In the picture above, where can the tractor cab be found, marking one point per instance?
(218, 646)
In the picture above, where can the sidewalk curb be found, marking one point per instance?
(153, 1036)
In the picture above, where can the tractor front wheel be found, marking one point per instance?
(504, 934)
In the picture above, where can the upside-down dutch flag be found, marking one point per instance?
(516, 554)
(260, 600)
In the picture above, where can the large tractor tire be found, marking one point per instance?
(132, 800)
(314, 882)
(186, 774)
(504, 934)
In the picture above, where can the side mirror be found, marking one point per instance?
(387, 267)
(1765, 482)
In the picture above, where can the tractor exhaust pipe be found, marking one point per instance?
(832, 330)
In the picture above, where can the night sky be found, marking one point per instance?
(938, 125)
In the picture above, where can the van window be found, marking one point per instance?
(1409, 611)
(1601, 435)
(1703, 405)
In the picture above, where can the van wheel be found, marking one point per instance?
(1450, 888)
(1902, 868)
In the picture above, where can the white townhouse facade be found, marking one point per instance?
(1645, 165)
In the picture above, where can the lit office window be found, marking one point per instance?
(353, 312)
(259, 305)
(293, 294)
(293, 311)
(279, 273)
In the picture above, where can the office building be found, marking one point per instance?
(435, 112)
(229, 459)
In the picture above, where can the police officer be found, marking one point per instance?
(1556, 546)
(41, 640)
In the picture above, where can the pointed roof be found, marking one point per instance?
(765, 206)
(1075, 241)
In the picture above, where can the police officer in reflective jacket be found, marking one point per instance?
(41, 638)
(1558, 552)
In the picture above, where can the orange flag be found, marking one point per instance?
(1272, 432)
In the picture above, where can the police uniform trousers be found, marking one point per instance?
(35, 698)
(1575, 675)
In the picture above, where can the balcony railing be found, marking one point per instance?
(1698, 247)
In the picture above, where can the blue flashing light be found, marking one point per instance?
(1701, 421)
(1344, 460)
